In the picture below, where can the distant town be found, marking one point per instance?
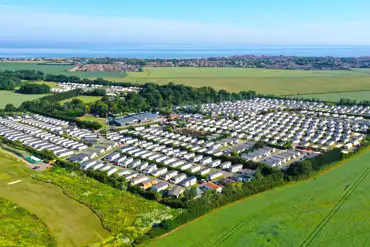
(246, 61)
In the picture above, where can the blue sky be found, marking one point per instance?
(202, 22)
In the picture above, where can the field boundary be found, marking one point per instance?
(320, 173)
(332, 212)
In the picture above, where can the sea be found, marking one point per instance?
(171, 52)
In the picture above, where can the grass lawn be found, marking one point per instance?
(119, 210)
(281, 82)
(86, 99)
(330, 210)
(20, 228)
(69, 222)
(95, 119)
(334, 97)
(10, 97)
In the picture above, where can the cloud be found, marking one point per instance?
(20, 23)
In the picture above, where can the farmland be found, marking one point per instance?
(33, 231)
(10, 97)
(281, 82)
(49, 204)
(335, 97)
(328, 210)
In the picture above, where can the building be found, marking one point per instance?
(79, 158)
(159, 187)
(136, 118)
(34, 160)
(215, 175)
(176, 191)
(189, 181)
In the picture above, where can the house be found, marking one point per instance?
(176, 191)
(204, 171)
(159, 187)
(226, 165)
(206, 160)
(236, 168)
(169, 175)
(159, 172)
(215, 175)
(112, 157)
(139, 180)
(213, 186)
(195, 168)
(87, 165)
(65, 154)
(178, 178)
(189, 181)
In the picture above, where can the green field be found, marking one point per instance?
(56, 69)
(102, 121)
(20, 228)
(69, 222)
(332, 209)
(10, 97)
(86, 99)
(334, 97)
(281, 82)
(120, 211)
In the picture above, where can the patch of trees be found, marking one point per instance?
(34, 89)
(96, 92)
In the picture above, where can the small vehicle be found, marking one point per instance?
(36, 167)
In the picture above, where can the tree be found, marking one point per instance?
(190, 194)
(10, 108)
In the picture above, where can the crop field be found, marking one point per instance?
(10, 97)
(329, 210)
(57, 69)
(69, 222)
(86, 99)
(280, 82)
(33, 231)
(120, 211)
(335, 97)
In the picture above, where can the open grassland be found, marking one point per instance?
(49, 83)
(335, 97)
(20, 228)
(281, 82)
(10, 97)
(57, 69)
(86, 99)
(100, 120)
(190, 72)
(120, 211)
(329, 210)
(70, 222)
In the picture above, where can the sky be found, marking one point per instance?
(185, 23)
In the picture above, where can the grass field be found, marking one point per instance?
(56, 69)
(95, 119)
(20, 228)
(281, 82)
(70, 222)
(119, 210)
(10, 97)
(334, 97)
(86, 99)
(330, 210)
